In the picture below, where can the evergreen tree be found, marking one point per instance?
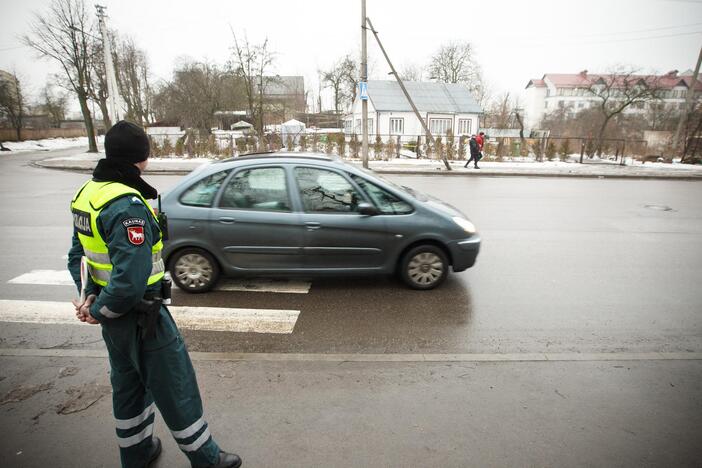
(167, 147)
(341, 144)
(564, 150)
(353, 145)
(180, 147)
(390, 149)
(377, 147)
(449, 144)
(551, 150)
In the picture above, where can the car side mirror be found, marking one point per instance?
(367, 209)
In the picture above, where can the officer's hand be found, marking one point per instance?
(83, 309)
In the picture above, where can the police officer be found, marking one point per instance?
(119, 235)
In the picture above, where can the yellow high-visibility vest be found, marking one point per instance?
(86, 206)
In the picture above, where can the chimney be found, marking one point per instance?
(583, 74)
(672, 73)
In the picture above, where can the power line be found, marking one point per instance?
(565, 42)
(12, 48)
(641, 30)
(616, 33)
(645, 38)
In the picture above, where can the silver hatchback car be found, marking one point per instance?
(301, 214)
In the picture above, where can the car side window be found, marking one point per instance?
(202, 192)
(263, 189)
(386, 202)
(323, 191)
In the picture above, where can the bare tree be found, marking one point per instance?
(53, 103)
(337, 78)
(454, 63)
(411, 72)
(502, 113)
(618, 90)
(132, 67)
(63, 33)
(251, 62)
(192, 97)
(12, 103)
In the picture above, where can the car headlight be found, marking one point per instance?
(464, 224)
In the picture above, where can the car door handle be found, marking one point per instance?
(312, 226)
(226, 220)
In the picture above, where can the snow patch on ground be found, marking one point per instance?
(48, 144)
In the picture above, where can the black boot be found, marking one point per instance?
(227, 460)
(155, 450)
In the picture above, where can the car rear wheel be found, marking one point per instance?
(194, 270)
(424, 267)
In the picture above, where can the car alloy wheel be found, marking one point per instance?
(424, 267)
(194, 270)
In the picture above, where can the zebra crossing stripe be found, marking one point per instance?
(63, 278)
(277, 321)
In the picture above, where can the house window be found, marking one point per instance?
(358, 127)
(439, 126)
(397, 126)
(348, 126)
(465, 126)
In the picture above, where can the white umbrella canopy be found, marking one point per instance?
(293, 128)
(241, 125)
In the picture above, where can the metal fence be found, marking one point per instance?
(386, 147)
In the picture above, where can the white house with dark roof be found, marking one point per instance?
(570, 92)
(443, 106)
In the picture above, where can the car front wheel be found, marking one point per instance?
(194, 270)
(424, 267)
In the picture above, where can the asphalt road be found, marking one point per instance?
(599, 278)
(566, 265)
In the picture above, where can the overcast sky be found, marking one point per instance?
(514, 40)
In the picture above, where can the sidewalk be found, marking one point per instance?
(56, 411)
(599, 169)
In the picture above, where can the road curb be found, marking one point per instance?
(409, 358)
(87, 167)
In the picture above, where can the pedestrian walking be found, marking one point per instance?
(481, 141)
(474, 148)
(118, 236)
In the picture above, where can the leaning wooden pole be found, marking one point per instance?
(430, 138)
(689, 101)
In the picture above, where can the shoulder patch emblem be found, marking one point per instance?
(135, 234)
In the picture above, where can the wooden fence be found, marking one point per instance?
(9, 134)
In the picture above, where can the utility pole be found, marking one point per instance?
(113, 95)
(364, 79)
(689, 99)
(404, 90)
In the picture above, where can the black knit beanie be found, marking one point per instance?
(127, 142)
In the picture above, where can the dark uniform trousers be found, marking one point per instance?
(150, 373)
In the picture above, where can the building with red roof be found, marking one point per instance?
(572, 92)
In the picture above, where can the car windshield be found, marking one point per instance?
(402, 188)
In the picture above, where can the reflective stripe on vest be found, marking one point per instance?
(86, 206)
